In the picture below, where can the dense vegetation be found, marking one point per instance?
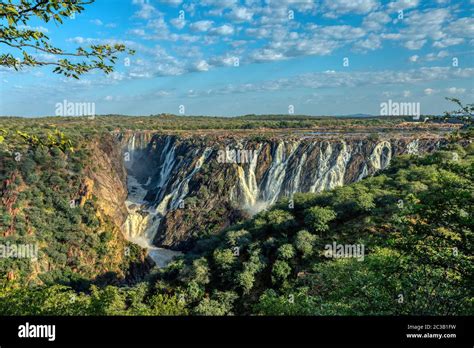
(414, 221)
(167, 122)
(42, 203)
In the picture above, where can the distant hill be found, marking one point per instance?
(357, 115)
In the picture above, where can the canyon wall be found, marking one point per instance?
(106, 180)
(180, 187)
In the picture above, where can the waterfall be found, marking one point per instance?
(322, 168)
(144, 217)
(381, 155)
(287, 173)
(178, 194)
(161, 168)
(297, 178)
(335, 176)
(271, 189)
(248, 181)
(412, 147)
(168, 155)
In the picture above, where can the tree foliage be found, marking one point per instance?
(25, 40)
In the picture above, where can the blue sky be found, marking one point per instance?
(231, 57)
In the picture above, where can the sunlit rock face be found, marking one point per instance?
(180, 186)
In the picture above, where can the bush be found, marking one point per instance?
(280, 220)
(220, 304)
(246, 280)
(318, 218)
(286, 252)
(200, 271)
(280, 271)
(304, 242)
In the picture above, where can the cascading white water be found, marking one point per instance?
(182, 189)
(248, 180)
(258, 196)
(413, 147)
(323, 167)
(271, 189)
(335, 175)
(381, 155)
(169, 160)
(298, 175)
(297, 179)
(171, 188)
(160, 170)
(144, 217)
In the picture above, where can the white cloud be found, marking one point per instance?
(240, 14)
(190, 8)
(419, 26)
(158, 24)
(436, 56)
(340, 32)
(454, 90)
(79, 40)
(429, 23)
(217, 7)
(146, 11)
(258, 33)
(430, 91)
(223, 30)
(178, 23)
(227, 60)
(171, 2)
(267, 54)
(96, 21)
(201, 26)
(142, 75)
(413, 58)
(375, 20)
(335, 7)
(202, 65)
(219, 3)
(35, 28)
(443, 43)
(161, 31)
(391, 36)
(340, 79)
(117, 76)
(372, 43)
(240, 43)
(414, 44)
(402, 4)
(161, 93)
(138, 32)
(462, 27)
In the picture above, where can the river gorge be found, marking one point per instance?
(176, 184)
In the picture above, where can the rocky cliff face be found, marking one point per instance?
(183, 186)
(106, 178)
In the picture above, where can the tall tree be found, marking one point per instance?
(24, 39)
